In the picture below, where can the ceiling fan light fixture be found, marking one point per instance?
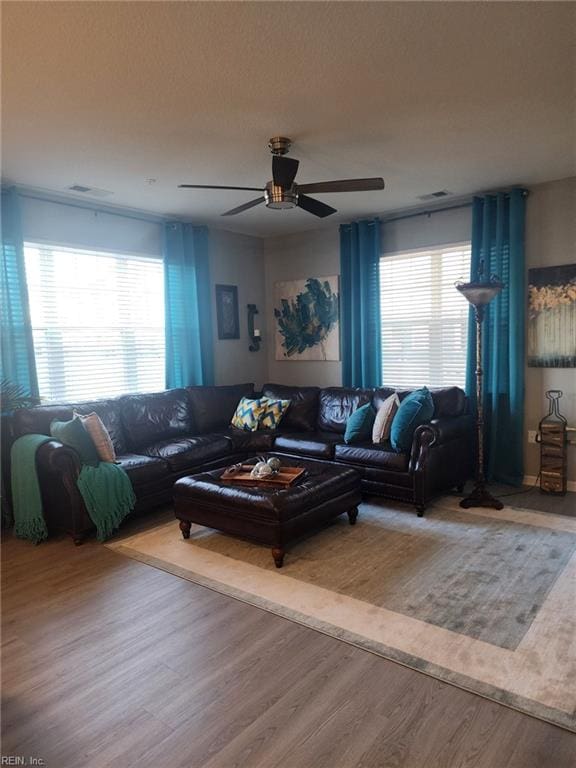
(276, 197)
(282, 192)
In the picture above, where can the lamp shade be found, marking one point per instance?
(480, 293)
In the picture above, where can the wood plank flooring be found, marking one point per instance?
(109, 662)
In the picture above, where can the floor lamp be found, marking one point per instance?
(480, 294)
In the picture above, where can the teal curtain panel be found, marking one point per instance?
(361, 344)
(498, 240)
(17, 355)
(189, 350)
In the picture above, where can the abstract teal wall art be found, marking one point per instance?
(307, 314)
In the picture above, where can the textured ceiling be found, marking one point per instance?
(458, 96)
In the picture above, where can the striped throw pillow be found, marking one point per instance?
(384, 417)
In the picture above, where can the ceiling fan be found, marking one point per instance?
(283, 192)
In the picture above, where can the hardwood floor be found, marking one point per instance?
(109, 662)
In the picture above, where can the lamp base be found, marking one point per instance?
(481, 497)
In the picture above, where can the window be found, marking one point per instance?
(424, 318)
(97, 322)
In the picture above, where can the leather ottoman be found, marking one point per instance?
(265, 515)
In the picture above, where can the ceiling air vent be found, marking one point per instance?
(435, 195)
(90, 191)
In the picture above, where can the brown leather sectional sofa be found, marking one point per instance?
(161, 437)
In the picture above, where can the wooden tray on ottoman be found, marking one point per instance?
(286, 477)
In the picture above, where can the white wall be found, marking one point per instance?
(550, 241)
(51, 222)
(239, 260)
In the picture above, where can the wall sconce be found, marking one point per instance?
(253, 333)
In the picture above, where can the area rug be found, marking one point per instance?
(481, 599)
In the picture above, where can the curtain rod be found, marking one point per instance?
(427, 212)
(430, 211)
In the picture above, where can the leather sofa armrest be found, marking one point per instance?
(453, 428)
(439, 432)
(64, 509)
(56, 457)
(425, 437)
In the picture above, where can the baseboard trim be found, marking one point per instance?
(531, 480)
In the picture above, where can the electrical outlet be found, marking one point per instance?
(532, 435)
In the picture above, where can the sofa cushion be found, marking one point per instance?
(303, 410)
(416, 409)
(317, 444)
(336, 406)
(257, 442)
(212, 408)
(157, 416)
(37, 420)
(143, 469)
(182, 453)
(381, 456)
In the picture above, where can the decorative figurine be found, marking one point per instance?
(275, 463)
(261, 470)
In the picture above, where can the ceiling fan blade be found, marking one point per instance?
(284, 170)
(244, 207)
(315, 206)
(344, 185)
(211, 186)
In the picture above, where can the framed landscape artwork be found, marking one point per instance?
(227, 312)
(552, 317)
(307, 314)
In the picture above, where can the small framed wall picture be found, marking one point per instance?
(227, 312)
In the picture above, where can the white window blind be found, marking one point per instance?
(97, 322)
(424, 318)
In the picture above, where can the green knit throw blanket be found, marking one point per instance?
(106, 490)
(108, 495)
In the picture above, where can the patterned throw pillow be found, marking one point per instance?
(72, 433)
(273, 412)
(100, 436)
(384, 417)
(248, 413)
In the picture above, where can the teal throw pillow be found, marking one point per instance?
(417, 408)
(359, 425)
(73, 434)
